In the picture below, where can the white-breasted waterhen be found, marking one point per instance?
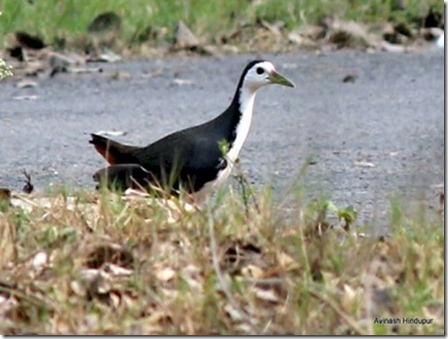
(198, 158)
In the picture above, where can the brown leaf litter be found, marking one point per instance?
(132, 264)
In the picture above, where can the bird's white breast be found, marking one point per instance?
(247, 98)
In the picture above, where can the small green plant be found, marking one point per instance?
(347, 214)
(5, 70)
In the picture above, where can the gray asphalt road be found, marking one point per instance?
(382, 134)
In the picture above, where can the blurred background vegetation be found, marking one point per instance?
(140, 20)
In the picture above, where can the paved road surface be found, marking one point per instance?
(379, 135)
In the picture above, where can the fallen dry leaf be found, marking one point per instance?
(350, 34)
(59, 60)
(365, 164)
(26, 97)
(286, 262)
(26, 83)
(266, 295)
(116, 270)
(165, 274)
(184, 38)
(252, 271)
(182, 82)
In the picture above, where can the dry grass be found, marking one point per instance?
(98, 263)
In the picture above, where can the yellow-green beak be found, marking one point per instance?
(279, 79)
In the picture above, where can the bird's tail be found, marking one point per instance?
(112, 151)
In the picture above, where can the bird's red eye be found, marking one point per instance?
(260, 70)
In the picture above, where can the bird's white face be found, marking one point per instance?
(264, 73)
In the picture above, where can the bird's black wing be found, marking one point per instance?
(186, 158)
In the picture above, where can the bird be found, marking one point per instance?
(197, 159)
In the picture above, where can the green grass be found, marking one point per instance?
(230, 268)
(55, 20)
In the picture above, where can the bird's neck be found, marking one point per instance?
(238, 118)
